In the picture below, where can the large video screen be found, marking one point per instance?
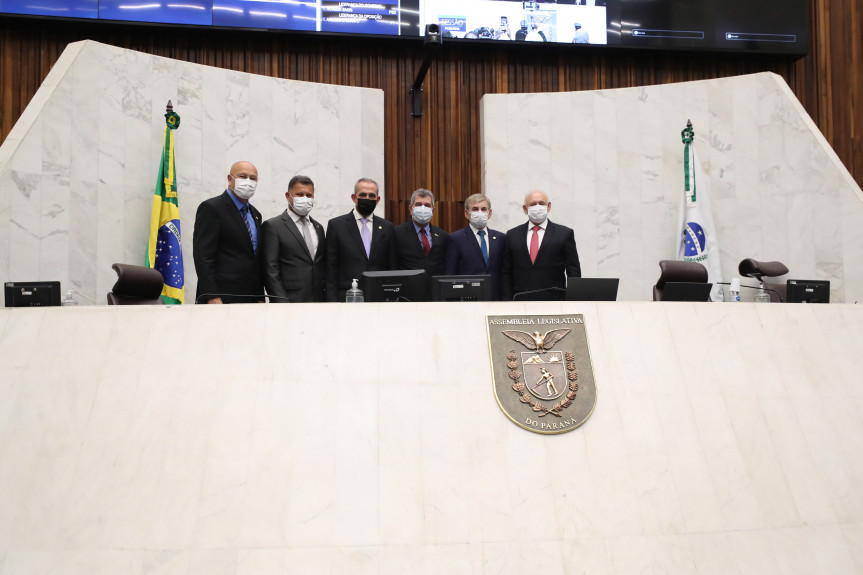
(772, 26)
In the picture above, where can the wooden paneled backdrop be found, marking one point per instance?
(441, 150)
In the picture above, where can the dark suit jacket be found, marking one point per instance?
(290, 271)
(346, 257)
(225, 261)
(556, 260)
(464, 256)
(409, 250)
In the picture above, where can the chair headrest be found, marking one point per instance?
(677, 271)
(754, 269)
(137, 281)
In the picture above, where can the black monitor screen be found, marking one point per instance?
(404, 285)
(807, 291)
(461, 288)
(32, 294)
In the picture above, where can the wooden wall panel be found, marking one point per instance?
(441, 150)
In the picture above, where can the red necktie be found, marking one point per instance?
(426, 244)
(534, 244)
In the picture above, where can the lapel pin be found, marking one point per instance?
(380, 227)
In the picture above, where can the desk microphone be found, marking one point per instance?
(257, 298)
(555, 290)
(779, 295)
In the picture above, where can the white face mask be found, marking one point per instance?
(537, 214)
(479, 219)
(303, 205)
(244, 188)
(422, 214)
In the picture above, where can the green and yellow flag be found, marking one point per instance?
(164, 250)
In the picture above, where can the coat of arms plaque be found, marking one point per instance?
(543, 377)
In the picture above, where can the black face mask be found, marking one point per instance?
(366, 206)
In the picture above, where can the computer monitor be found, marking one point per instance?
(32, 294)
(686, 291)
(461, 288)
(399, 285)
(591, 289)
(807, 291)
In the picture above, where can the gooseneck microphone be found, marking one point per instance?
(245, 298)
(779, 295)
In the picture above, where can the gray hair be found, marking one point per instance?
(368, 181)
(422, 193)
(475, 199)
(527, 195)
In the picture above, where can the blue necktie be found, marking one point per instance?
(244, 211)
(483, 245)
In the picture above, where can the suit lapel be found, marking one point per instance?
(376, 236)
(319, 229)
(296, 233)
(495, 246)
(237, 218)
(546, 239)
(522, 233)
(475, 248)
(436, 239)
(354, 233)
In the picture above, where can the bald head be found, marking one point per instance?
(536, 198)
(244, 170)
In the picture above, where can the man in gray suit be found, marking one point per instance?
(295, 250)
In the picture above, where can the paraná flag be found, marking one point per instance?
(697, 241)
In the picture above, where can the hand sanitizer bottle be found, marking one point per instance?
(355, 294)
(734, 290)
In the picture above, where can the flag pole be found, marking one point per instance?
(164, 249)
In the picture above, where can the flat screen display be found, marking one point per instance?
(770, 26)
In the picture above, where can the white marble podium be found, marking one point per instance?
(333, 438)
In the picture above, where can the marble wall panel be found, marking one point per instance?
(78, 171)
(777, 190)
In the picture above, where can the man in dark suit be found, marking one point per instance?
(476, 249)
(295, 249)
(537, 258)
(419, 244)
(358, 242)
(225, 242)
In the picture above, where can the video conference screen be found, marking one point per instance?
(771, 26)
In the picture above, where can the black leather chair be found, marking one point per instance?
(677, 271)
(136, 285)
(759, 270)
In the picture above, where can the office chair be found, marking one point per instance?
(677, 271)
(136, 285)
(759, 270)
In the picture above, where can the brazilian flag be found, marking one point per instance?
(164, 251)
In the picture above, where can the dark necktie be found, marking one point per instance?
(426, 244)
(483, 245)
